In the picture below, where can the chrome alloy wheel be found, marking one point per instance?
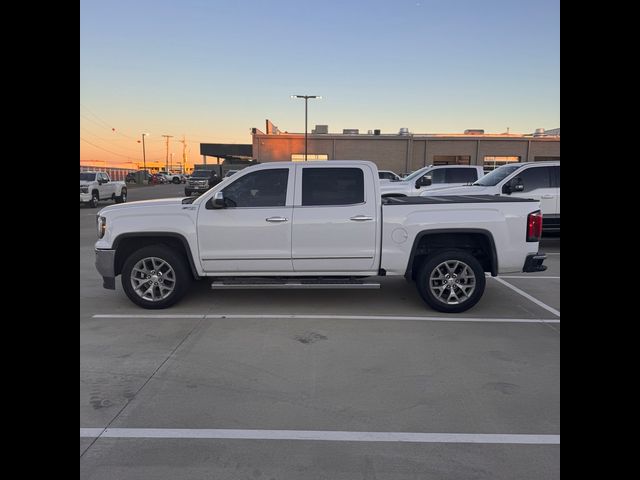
(153, 279)
(452, 282)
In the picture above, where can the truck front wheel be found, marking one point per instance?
(155, 277)
(451, 281)
(123, 196)
(93, 203)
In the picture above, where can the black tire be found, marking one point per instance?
(174, 259)
(176, 180)
(429, 267)
(123, 196)
(187, 192)
(95, 196)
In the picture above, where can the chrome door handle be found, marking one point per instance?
(276, 219)
(547, 196)
(361, 218)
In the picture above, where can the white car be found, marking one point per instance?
(96, 186)
(537, 180)
(429, 177)
(315, 225)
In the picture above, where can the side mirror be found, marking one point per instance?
(216, 202)
(506, 188)
(423, 182)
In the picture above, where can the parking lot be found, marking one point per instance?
(321, 384)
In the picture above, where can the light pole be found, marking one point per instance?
(306, 99)
(144, 156)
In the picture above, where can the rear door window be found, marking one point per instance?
(332, 186)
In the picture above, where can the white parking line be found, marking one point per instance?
(526, 295)
(335, 317)
(527, 277)
(334, 436)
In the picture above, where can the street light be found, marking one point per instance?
(306, 98)
(144, 157)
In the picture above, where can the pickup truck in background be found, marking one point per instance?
(537, 180)
(175, 178)
(200, 181)
(429, 177)
(96, 186)
(315, 225)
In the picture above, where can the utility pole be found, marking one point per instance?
(184, 152)
(166, 168)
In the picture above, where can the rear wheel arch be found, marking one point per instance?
(478, 242)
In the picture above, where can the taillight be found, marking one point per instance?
(534, 226)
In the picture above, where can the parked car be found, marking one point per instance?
(96, 186)
(157, 178)
(430, 177)
(132, 177)
(537, 180)
(201, 181)
(388, 175)
(230, 172)
(316, 225)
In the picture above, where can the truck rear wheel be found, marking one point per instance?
(451, 281)
(155, 277)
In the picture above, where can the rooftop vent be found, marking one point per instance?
(404, 131)
(376, 131)
(350, 131)
(474, 131)
(539, 132)
(321, 129)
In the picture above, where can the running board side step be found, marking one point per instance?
(292, 284)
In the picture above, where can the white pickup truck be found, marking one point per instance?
(315, 225)
(432, 176)
(95, 186)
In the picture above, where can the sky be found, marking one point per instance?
(213, 69)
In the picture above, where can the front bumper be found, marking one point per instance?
(198, 188)
(533, 263)
(85, 197)
(106, 266)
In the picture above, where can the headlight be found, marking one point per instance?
(101, 225)
(84, 189)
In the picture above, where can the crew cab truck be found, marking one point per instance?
(319, 225)
(537, 180)
(429, 177)
(96, 186)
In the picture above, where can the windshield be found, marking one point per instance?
(89, 177)
(415, 174)
(495, 177)
(201, 174)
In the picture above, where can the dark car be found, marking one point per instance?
(139, 175)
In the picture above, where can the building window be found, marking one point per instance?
(452, 160)
(311, 157)
(546, 159)
(492, 162)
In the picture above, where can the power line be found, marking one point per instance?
(102, 148)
